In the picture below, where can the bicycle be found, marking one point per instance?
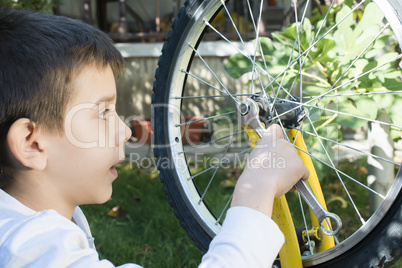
(341, 89)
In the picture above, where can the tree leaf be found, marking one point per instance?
(348, 108)
(267, 46)
(368, 105)
(345, 39)
(237, 65)
(114, 212)
(395, 112)
(371, 16)
(384, 101)
(307, 33)
(321, 51)
(290, 33)
(347, 19)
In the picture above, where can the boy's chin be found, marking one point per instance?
(106, 199)
(103, 199)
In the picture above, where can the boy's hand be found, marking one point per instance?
(272, 169)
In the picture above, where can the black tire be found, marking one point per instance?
(380, 247)
(159, 125)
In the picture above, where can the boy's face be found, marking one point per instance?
(81, 161)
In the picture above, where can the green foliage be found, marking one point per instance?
(42, 5)
(335, 63)
(340, 62)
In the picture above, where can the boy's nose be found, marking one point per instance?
(124, 133)
(128, 133)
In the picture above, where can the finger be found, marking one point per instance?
(273, 132)
(305, 173)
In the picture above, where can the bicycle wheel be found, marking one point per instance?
(341, 63)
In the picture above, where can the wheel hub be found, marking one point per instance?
(288, 111)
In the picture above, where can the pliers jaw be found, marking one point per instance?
(261, 108)
(248, 115)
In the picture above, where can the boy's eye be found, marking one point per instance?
(104, 110)
(102, 114)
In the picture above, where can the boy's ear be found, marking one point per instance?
(25, 143)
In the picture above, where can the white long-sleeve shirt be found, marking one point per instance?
(46, 239)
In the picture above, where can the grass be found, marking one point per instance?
(337, 200)
(145, 231)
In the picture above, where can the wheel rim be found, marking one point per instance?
(181, 72)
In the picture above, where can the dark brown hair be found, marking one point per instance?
(40, 55)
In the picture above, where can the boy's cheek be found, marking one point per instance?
(82, 132)
(84, 137)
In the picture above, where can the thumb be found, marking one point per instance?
(274, 132)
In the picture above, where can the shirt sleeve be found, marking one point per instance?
(248, 238)
(49, 240)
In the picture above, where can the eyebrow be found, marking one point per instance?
(106, 99)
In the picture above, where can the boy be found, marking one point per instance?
(60, 138)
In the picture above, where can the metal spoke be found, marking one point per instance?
(224, 209)
(217, 168)
(212, 72)
(239, 50)
(257, 42)
(313, 98)
(274, 79)
(257, 31)
(340, 172)
(355, 78)
(209, 142)
(290, 58)
(299, 46)
(233, 24)
(298, 42)
(342, 113)
(227, 40)
(242, 52)
(326, 219)
(261, 51)
(358, 94)
(244, 45)
(205, 82)
(357, 58)
(241, 40)
(350, 147)
(315, 38)
(212, 96)
(339, 177)
(335, 88)
(354, 61)
(220, 162)
(305, 223)
(314, 43)
(204, 118)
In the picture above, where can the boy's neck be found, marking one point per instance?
(38, 197)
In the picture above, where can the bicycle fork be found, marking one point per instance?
(289, 254)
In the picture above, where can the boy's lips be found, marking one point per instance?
(113, 169)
